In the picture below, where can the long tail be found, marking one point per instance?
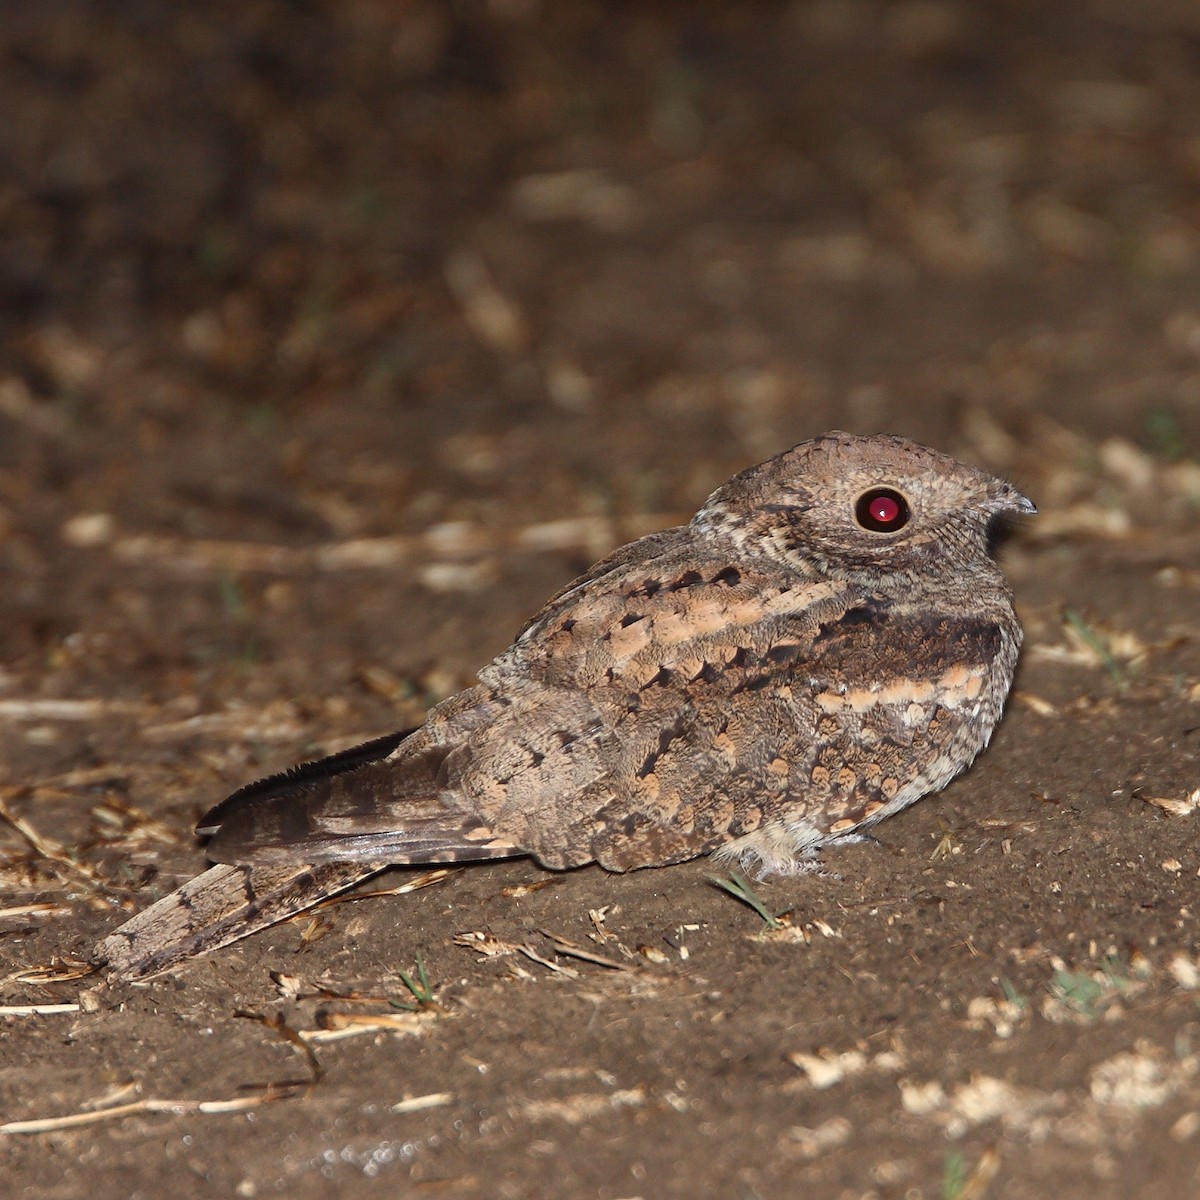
(216, 908)
(290, 841)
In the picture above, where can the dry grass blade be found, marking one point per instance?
(294, 1038)
(454, 541)
(337, 1026)
(976, 1185)
(53, 851)
(516, 890)
(131, 822)
(208, 555)
(424, 880)
(44, 846)
(571, 950)
(1175, 806)
(419, 1103)
(82, 777)
(550, 965)
(149, 1105)
(64, 970)
(292, 987)
(1041, 706)
(41, 909)
(273, 723)
(35, 1010)
(16, 709)
(486, 945)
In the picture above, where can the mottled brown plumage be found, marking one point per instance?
(827, 641)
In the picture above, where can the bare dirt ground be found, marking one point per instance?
(336, 336)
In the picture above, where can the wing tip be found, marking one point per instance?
(341, 763)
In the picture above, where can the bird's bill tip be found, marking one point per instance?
(1008, 499)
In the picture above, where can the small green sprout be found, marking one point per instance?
(1164, 436)
(1088, 992)
(954, 1175)
(233, 599)
(1097, 645)
(1012, 995)
(420, 987)
(739, 887)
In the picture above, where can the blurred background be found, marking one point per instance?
(356, 267)
(301, 274)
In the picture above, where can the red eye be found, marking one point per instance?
(882, 510)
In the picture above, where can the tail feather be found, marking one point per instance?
(221, 906)
(289, 841)
(362, 806)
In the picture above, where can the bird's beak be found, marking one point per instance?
(1009, 500)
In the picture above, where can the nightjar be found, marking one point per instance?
(825, 642)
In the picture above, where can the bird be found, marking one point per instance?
(827, 640)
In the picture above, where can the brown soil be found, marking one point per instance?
(319, 318)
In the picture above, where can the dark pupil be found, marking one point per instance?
(881, 510)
